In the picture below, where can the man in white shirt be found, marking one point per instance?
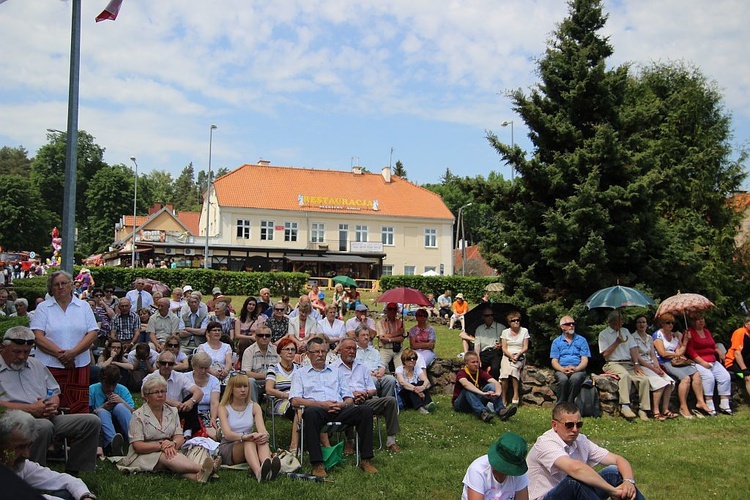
(501, 473)
(17, 433)
(618, 347)
(360, 317)
(182, 393)
(370, 357)
(139, 297)
(560, 463)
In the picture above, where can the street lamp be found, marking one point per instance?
(462, 226)
(208, 193)
(512, 145)
(135, 199)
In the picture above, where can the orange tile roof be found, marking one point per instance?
(739, 201)
(191, 221)
(127, 220)
(337, 191)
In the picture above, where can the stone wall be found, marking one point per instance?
(538, 387)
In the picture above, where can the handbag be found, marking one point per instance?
(289, 462)
(680, 360)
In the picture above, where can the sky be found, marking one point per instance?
(326, 84)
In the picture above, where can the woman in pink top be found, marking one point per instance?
(701, 348)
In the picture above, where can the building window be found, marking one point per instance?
(290, 231)
(343, 237)
(386, 235)
(360, 234)
(243, 228)
(317, 232)
(409, 270)
(387, 270)
(430, 268)
(430, 238)
(266, 230)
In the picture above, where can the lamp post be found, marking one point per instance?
(462, 226)
(208, 193)
(512, 145)
(135, 200)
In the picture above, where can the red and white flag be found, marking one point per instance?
(110, 11)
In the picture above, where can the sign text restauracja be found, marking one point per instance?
(337, 202)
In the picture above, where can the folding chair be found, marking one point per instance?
(328, 428)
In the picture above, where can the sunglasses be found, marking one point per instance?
(515, 320)
(277, 309)
(173, 345)
(166, 363)
(569, 324)
(411, 358)
(22, 342)
(263, 335)
(570, 425)
(234, 373)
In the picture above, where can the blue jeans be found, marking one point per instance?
(571, 488)
(468, 402)
(117, 418)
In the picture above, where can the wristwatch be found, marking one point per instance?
(194, 401)
(630, 480)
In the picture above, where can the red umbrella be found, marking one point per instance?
(405, 295)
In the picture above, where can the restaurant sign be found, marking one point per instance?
(337, 202)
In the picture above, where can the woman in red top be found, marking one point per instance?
(701, 348)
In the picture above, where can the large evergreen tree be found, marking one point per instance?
(186, 195)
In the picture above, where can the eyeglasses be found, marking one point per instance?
(570, 425)
(166, 363)
(22, 342)
(263, 335)
(570, 323)
(160, 391)
(234, 373)
(216, 330)
(411, 358)
(173, 345)
(515, 320)
(61, 284)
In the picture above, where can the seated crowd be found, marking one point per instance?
(203, 372)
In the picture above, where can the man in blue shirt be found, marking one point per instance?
(113, 404)
(327, 397)
(570, 355)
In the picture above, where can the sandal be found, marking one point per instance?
(688, 416)
(670, 414)
(658, 416)
(698, 413)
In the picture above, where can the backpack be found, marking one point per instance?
(588, 400)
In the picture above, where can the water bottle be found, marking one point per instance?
(50, 393)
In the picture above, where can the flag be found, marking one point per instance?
(110, 11)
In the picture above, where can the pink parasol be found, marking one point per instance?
(404, 295)
(684, 303)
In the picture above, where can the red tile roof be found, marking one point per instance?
(127, 220)
(191, 221)
(286, 188)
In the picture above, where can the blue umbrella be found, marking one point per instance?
(618, 296)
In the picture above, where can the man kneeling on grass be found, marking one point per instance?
(559, 463)
(475, 389)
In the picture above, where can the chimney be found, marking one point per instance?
(154, 208)
(170, 207)
(386, 172)
(357, 170)
(263, 162)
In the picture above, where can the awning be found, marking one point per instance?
(349, 259)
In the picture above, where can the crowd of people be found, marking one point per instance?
(203, 369)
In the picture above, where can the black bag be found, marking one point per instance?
(396, 347)
(588, 400)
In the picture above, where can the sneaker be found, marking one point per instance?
(265, 470)
(486, 416)
(319, 471)
(275, 468)
(506, 413)
(207, 469)
(460, 355)
(116, 445)
(366, 465)
(423, 411)
(432, 406)
(491, 406)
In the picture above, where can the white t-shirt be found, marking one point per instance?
(622, 352)
(213, 385)
(218, 356)
(480, 479)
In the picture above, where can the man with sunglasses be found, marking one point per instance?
(560, 463)
(26, 384)
(182, 393)
(487, 342)
(257, 360)
(570, 355)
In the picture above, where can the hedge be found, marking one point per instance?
(471, 286)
